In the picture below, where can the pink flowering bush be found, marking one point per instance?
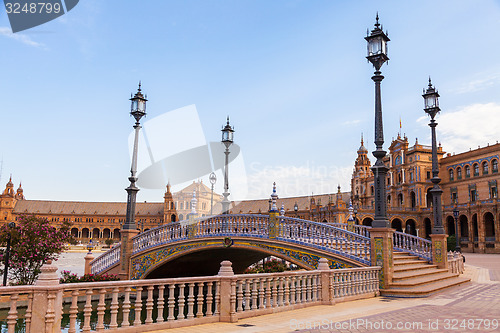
(68, 277)
(33, 242)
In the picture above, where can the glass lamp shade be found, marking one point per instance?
(227, 135)
(138, 105)
(455, 213)
(431, 100)
(296, 207)
(377, 45)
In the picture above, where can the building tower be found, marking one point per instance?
(169, 212)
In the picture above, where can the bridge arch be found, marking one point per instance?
(189, 257)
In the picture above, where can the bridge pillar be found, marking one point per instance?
(227, 292)
(381, 254)
(126, 252)
(439, 250)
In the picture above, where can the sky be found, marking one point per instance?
(291, 75)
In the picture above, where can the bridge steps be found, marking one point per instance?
(415, 277)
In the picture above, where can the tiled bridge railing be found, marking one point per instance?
(147, 305)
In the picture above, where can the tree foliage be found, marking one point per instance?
(33, 242)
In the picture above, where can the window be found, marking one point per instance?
(428, 175)
(494, 166)
(467, 171)
(452, 175)
(493, 189)
(476, 169)
(411, 176)
(473, 195)
(371, 190)
(459, 173)
(485, 168)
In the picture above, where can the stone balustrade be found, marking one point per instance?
(415, 245)
(455, 262)
(147, 305)
(103, 262)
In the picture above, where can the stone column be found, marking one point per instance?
(481, 232)
(326, 296)
(88, 258)
(126, 252)
(439, 250)
(381, 254)
(227, 293)
(47, 301)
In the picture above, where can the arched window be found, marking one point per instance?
(485, 168)
(476, 169)
(371, 190)
(451, 175)
(494, 166)
(467, 171)
(389, 200)
(400, 177)
(459, 173)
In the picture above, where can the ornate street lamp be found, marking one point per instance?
(355, 212)
(377, 55)
(431, 107)
(456, 213)
(227, 140)
(138, 110)
(213, 180)
(11, 225)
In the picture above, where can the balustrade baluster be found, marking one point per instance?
(254, 294)
(309, 288)
(287, 291)
(126, 307)
(138, 306)
(261, 292)
(200, 299)
(268, 292)
(280, 291)
(113, 309)
(182, 301)
(190, 302)
(149, 306)
(171, 303)
(210, 298)
(87, 311)
(160, 303)
(315, 286)
(247, 295)
(73, 312)
(239, 296)
(12, 315)
(101, 308)
(275, 292)
(217, 298)
(232, 299)
(292, 290)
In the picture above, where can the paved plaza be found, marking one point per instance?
(473, 307)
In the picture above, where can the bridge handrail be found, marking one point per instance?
(362, 230)
(418, 246)
(106, 260)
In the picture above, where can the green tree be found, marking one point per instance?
(33, 242)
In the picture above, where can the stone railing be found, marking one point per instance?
(418, 246)
(455, 262)
(147, 305)
(327, 237)
(103, 262)
(359, 229)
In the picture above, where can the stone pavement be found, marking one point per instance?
(473, 307)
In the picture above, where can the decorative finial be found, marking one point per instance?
(139, 86)
(377, 24)
(338, 187)
(430, 82)
(282, 210)
(274, 197)
(228, 120)
(362, 143)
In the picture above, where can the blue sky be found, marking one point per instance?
(292, 75)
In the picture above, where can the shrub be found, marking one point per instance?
(68, 277)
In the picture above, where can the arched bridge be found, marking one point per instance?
(197, 246)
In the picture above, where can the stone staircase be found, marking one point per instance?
(415, 277)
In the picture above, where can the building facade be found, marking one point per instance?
(469, 183)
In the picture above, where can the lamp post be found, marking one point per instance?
(431, 107)
(7, 253)
(213, 180)
(138, 110)
(456, 213)
(227, 140)
(377, 55)
(355, 212)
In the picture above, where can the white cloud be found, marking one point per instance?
(468, 127)
(484, 81)
(297, 180)
(352, 122)
(7, 32)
